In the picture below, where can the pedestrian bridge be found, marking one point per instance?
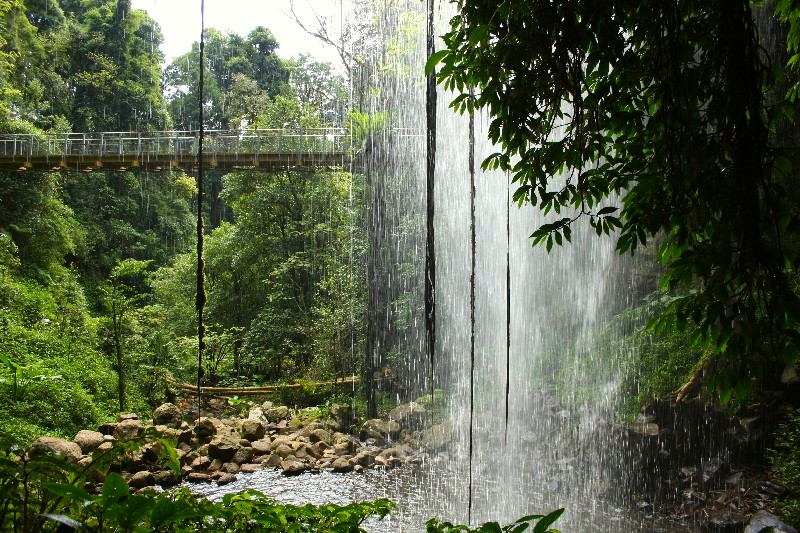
(268, 149)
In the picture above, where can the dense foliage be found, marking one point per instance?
(41, 492)
(676, 109)
(96, 274)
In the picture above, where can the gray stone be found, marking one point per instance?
(249, 468)
(223, 446)
(262, 446)
(436, 437)
(129, 429)
(166, 478)
(292, 466)
(230, 468)
(252, 429)
(142, 479)
(242, 455)
(226, 479)
(207, 427)
(167, 414)
(380, 430)
(342, 464)
(762, 520)
(128, 416)
(198, 477)
(65, 449)
(88, 440)
(275, 414)
(410, 415)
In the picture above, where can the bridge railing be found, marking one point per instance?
(178, 144)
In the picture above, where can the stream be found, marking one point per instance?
(421, 492)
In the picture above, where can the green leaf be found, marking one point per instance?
(544, 524)
(68, 491)
(435, 59)
(114, 489)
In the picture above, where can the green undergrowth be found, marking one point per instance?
(785, 460)
(41, 492)
(626, 363)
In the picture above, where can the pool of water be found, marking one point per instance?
(425, 491)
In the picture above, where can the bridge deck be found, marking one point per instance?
(223, 149)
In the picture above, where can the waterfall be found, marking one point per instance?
(519, 448)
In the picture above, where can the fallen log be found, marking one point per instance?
(188, 388)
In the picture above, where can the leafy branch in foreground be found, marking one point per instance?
(540, 524)
(673, 111)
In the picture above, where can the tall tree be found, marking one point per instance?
(117, 71)
(234, 65)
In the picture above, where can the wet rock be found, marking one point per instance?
(242, 455)
(167, 414)
(380, 430)
(107, 428)
(365, 458)
(230, 468)
(292, 466)
(88, 440)
(198, 477)
(67, 450)
(344, 414)
(262, 447)
(201, 463)
(283, 450)
(129, 429)
(763, 520)
(723, 522)
(436, 437)
(128, 416)
(410, 415)
(275, 414)
(166, 478)
(252, 429)
(790, 376)
(207, 427)
(647, 429)
(142, 479)
(226, 479)
(223, 446)
(342, 464)
(273, 460)
(714, 470)
(321, 435)
(249, 468)
(256, 413)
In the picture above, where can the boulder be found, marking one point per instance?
(107, 428)
(129, 429)
(262, 446)
(88, 440)
(437, 436)
(198, 477)
(65, 449)
(249, 468)
(292, 466)
(167, 414)
(166, 478)
(226, 479)
(142, 479)
(242, 455)
(283, 450)
(380, 430)
(275, 414)
(207, 427)
(230, 468)
(128, 416)
(253, 429)
(223, 446)
(321, 435)
(763, 520)
(410, 415)
(273, 460)
(342, 464)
